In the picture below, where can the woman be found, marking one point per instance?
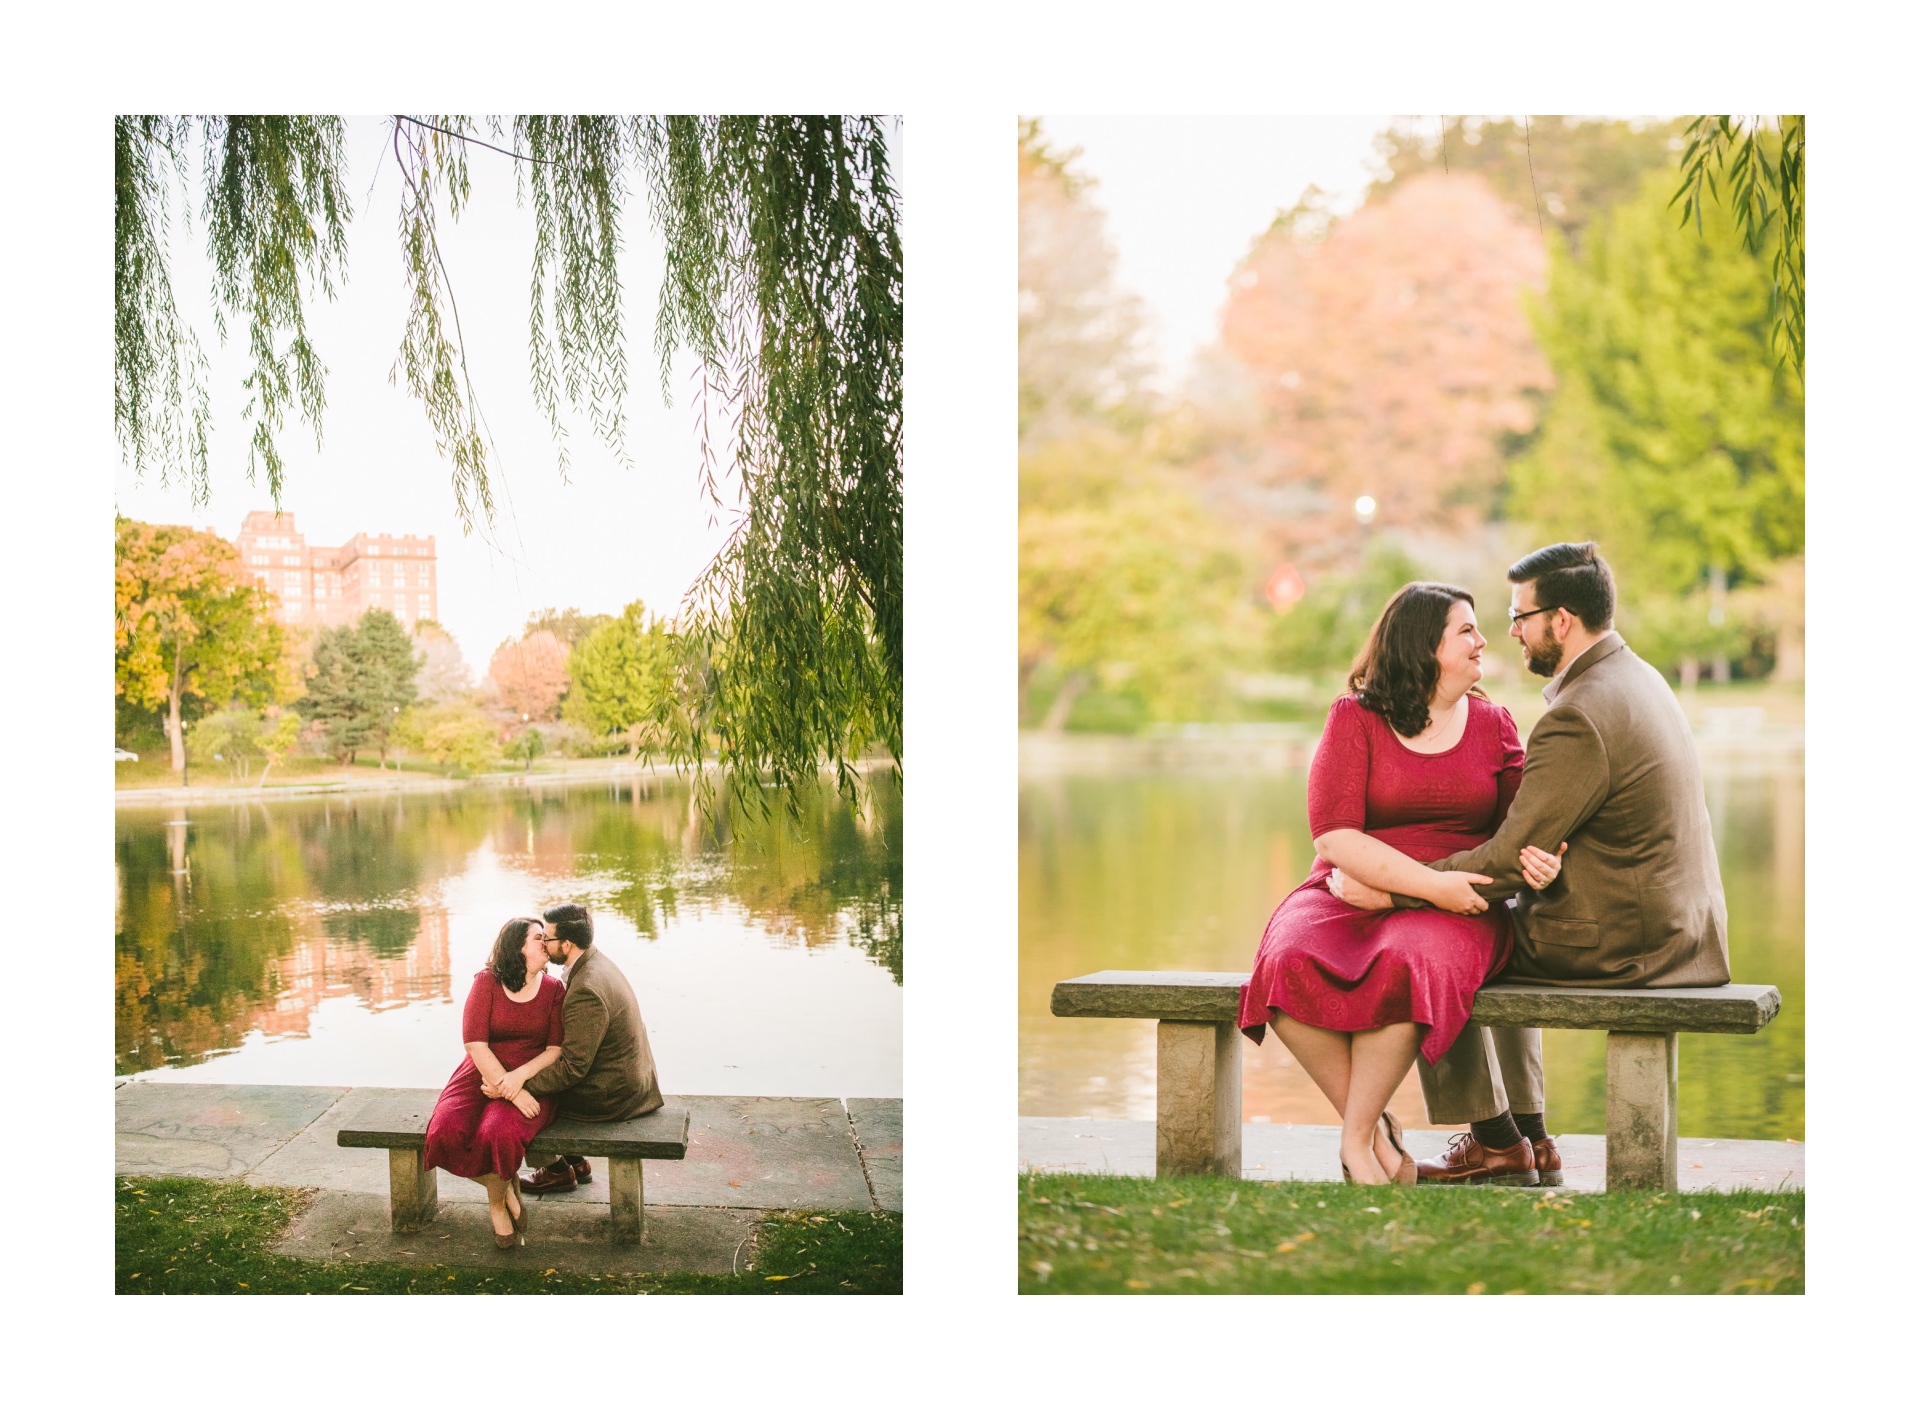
(512, 1016)
(1415, 764)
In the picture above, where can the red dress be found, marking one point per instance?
(470, 1133)
(1333, 966)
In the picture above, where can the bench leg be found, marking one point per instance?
(1197, 1100)
(413, 1190)
(1643, 1111)
(625, 1193)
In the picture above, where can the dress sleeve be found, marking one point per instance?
(1512, 760)
(476, 1020)
(555, 1004)
(1337, 780)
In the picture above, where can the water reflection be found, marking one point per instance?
(1180, 871)
(322, 919)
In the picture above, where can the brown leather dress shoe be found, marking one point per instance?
(1546, 1159)
(1467, 1162)
(582, 1171)
(555, 1179)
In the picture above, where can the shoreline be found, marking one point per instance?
(172, 796)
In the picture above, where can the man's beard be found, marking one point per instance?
(1545, 661)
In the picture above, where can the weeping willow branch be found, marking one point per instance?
(784, 278)
(161, 410)
(1766, 191)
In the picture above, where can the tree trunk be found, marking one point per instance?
(1070, 691)
(1689, 672)
(263, 774)
(175, 741)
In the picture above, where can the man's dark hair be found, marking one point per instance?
(1573, 576)
(572, 924)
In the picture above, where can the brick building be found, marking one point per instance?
(330, 586)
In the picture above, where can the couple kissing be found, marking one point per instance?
(538, 1049)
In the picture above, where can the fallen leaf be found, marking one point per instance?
(734, 1183)
(1137, 1285)
(778, 1277)
(1475, 1289)
(1285, 1248)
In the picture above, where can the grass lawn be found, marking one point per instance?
(1114, 1234)
(204, 1236)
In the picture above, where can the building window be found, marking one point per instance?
(292, 560)
(260, 560)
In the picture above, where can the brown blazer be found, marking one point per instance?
(605, 1069)
(1611, 770)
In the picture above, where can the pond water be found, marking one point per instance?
(332, 940)
(1180, 870)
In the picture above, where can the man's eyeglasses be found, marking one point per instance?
(1513, 616)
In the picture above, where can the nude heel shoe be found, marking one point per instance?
(1407, 1172)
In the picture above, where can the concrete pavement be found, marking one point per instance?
(1063, 1144)
(746, 1156)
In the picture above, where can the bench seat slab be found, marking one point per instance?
(1214, 997)
(399, 1122)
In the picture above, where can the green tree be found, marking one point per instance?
(783, 278)
(1081, 355)
(190, 632)
(359, 681)
(623, 677)
(278, 737)
(231, 737)
(1562, 172)
(1127, 581)
(526, 746)
(1673, 438)
(569, 625)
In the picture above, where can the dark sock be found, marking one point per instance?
(1498, 1134)
(1532, 1124)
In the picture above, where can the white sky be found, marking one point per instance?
(1185, 197)
(597, 542)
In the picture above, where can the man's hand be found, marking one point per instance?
(1357, 893)
(528, 1104)
(509, 1086)
(489, 1089)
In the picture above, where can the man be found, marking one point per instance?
(605, 1069)
(1611, 772)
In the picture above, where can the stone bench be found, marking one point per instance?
(1197, 1095)
(398, 1125)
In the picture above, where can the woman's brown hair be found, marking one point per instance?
(1396, 671)
(508, 962)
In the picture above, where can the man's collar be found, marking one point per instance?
(1597, 651)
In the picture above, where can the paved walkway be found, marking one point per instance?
(746, 1156)
(1282, 1152)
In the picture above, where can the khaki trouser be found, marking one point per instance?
(1485, 1072)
